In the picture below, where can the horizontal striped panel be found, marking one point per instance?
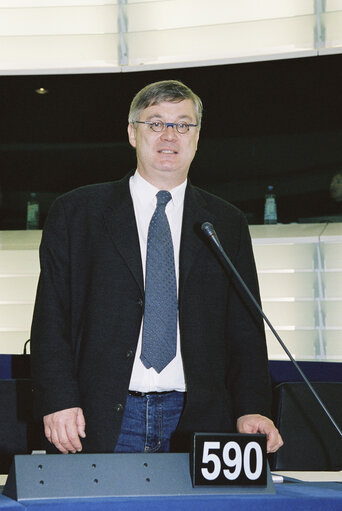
(18, 289)
(34, 52)
(20, 240)
(19, 262)
(332, 282)
(288, 285)
(333, 314)
(164, 15)
(332, 255)
(301, 345)
(212, 42)
(286, 233)
(101, 19)
(333, 29)
(332, 5)
(285, 257)
(55, 3)
(15, 316)
(291, 314)
(13, 342)
(333, 343)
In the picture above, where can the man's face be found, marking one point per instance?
(165, 157)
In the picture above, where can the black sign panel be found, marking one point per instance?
(229, 459)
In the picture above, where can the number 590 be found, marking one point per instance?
(234, 460)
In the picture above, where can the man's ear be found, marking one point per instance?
(131, 135)
(198, 134)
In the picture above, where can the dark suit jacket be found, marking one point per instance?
(89, 308)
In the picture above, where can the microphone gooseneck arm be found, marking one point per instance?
(209, 231)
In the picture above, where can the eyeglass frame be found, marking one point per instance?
(167, 125)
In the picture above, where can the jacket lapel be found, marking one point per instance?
(120, 221)
(192, 240)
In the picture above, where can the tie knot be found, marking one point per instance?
(163, 197)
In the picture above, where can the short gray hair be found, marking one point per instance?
(166, 90)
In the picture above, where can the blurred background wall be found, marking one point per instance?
(269, 74)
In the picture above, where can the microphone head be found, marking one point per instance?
(208, 229)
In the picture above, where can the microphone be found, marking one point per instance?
(209, 231)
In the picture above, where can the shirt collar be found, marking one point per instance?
(146, 192)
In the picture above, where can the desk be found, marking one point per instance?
(289, 497)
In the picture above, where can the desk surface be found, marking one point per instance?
(294, 496)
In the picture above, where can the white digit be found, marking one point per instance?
(207, 457)
(247, 461)
(232, 462)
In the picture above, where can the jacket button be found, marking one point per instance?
(140, 302)
(129, 354)
(119, 407)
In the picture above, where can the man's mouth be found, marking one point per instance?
(167, 151)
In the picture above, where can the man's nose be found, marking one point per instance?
(169, 132)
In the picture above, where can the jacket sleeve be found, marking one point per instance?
(249, 374)
(52, 361)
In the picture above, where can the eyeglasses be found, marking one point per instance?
(158, 126)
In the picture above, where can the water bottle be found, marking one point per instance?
(32, 215)
(270, 211)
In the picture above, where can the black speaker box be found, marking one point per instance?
(311, 442)
(18, 432)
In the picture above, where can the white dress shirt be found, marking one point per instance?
(144, 202)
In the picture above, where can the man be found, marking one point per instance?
(101, 382)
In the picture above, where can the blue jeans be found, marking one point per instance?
(149, 422)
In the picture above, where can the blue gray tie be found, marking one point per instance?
(160, 315)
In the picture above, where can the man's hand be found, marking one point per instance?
(64, 429)
(255, 423)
